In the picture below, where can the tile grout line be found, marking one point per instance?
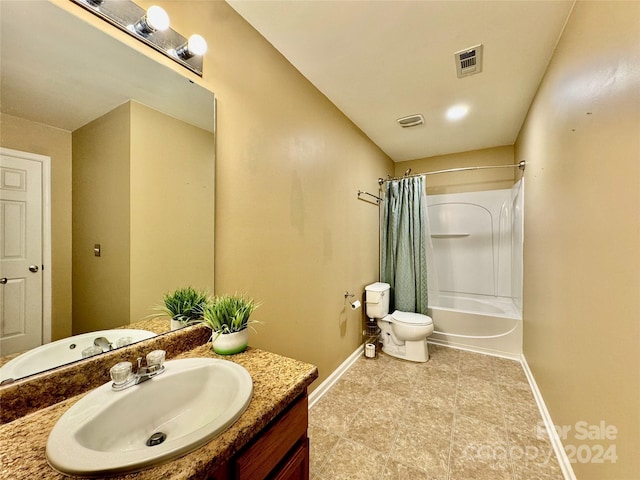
(388, 453)
(507, 431)
(455, 415)
(326, 457)
(342, 436)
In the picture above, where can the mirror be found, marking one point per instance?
(132, 152)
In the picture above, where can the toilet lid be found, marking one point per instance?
(377, 287)
(411, 318)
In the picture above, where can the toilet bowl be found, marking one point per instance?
(403, 334)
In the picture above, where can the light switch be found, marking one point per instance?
(96, 249)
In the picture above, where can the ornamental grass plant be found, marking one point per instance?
(229, 313)
(185, 305)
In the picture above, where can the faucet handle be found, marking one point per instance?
(156, 358)
(120, 373)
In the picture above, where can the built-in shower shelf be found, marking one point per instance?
(449, 235)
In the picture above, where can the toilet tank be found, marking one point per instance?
(377, 299)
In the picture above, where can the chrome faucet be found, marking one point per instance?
(103, 343)
(147, 373)
(123, 376)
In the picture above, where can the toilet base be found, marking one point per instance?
(416, 351)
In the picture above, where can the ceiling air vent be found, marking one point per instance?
(411, 121)
(469, 61)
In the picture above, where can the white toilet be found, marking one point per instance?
(403, 334)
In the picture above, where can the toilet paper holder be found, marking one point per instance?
(355, 304)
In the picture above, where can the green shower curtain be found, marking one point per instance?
(403, 263)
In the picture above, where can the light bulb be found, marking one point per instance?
(457, 112)
(197, 45)
(157, 18)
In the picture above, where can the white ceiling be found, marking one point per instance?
(60, 71)
(381, 60)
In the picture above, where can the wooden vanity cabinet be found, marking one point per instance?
(279, 452)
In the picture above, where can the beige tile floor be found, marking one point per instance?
(459, 416)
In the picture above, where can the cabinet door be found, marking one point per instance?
(297, 466)
(222, 473)
(258, 461)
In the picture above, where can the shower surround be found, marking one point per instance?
(477, 250)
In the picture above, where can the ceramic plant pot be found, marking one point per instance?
(230, 343)
(177, 324)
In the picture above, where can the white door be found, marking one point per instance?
(20, 254)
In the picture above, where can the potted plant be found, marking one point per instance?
(184, 306)
(228, 317)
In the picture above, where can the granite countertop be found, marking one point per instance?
(277, 381)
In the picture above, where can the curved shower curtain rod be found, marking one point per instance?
(521, 165)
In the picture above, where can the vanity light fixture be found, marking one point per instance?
(151, 27)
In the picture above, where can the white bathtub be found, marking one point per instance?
(483, 324)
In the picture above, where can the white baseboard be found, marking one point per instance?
(334, 377)
(558, 448)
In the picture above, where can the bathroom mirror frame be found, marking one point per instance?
(134, 78)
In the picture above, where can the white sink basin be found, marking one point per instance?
(106, 432)
(64, 351)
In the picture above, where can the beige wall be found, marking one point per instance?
(289, 228)
(20, 134)
(143, 186)
(101, 162)
(172, 207)
(290, 233)
(581, 140)
(469, 181)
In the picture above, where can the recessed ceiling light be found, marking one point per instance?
(457, 112)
